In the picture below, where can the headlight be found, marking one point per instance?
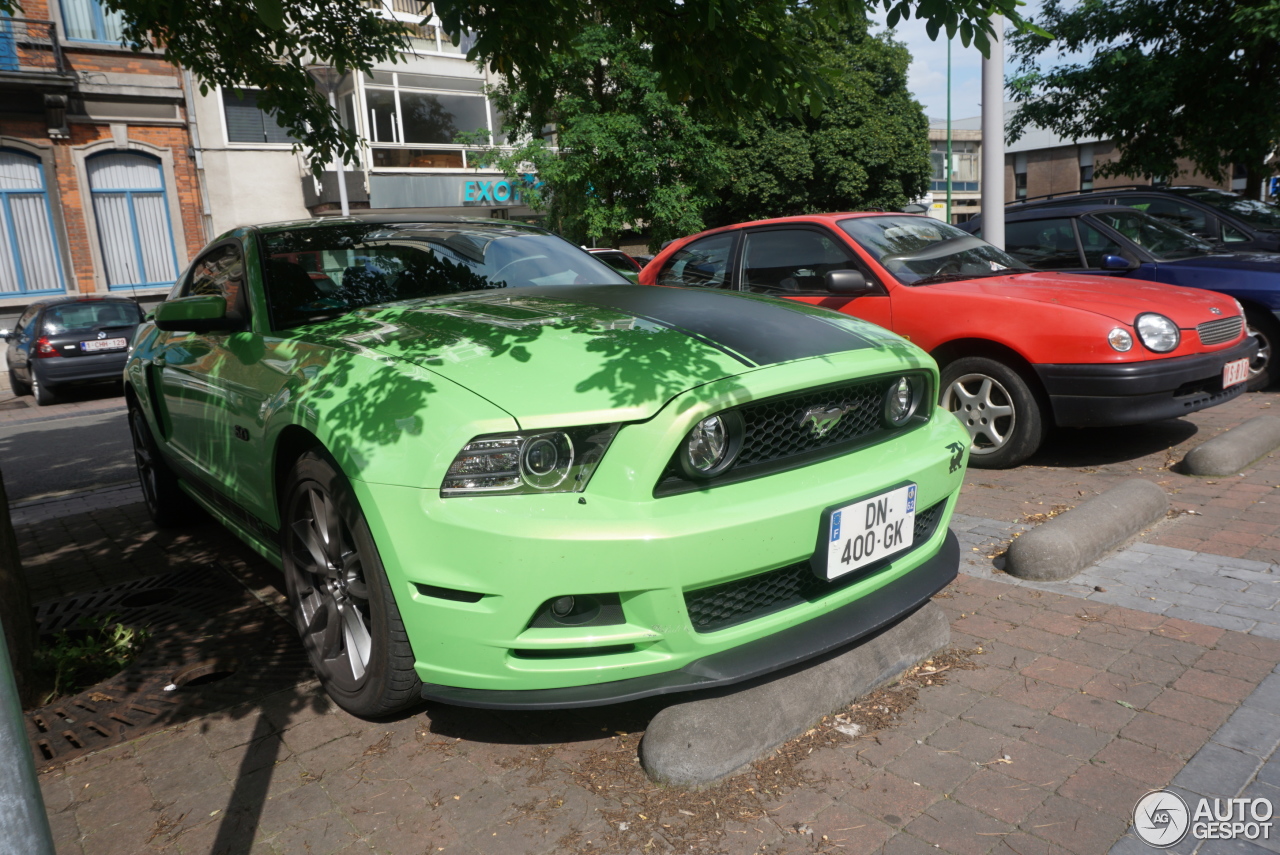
(712, 445)
(1157, 332)
(900, 401)
(555, 461)
(1120, 340)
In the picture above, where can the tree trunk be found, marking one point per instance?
(1254, 177)
(15, 603)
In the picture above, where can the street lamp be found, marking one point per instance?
(948, 130)
(329, 79)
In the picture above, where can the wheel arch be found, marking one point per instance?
(292, 442)
(950, 351)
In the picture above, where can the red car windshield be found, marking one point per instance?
(921, 250)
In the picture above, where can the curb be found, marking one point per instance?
(697, 743)
(1230, 452)
(1065, 545)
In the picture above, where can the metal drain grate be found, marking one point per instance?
(211, 640)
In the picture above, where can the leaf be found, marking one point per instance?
(1126, 705)
(271, 12)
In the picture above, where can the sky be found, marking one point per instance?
(927, 76)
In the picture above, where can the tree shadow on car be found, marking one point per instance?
(1072, 447)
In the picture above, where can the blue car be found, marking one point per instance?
(1115, 241)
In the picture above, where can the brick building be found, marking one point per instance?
(98, 187)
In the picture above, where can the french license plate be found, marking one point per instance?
(1234, 372)
(104, 344)
(870, 530)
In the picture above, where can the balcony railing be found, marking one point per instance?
(30, 46)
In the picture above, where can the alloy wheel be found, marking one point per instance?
(331, 597)
(985, 408)
(1259, 363)
(143, 459)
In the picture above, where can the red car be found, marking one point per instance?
(1020, 350)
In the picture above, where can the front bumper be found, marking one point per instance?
(469, 574)
(785, 649)
(1131, 393)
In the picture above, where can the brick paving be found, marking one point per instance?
(1079, 705)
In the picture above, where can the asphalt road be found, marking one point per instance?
(40, 459)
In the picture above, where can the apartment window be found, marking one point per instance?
(131, 205)
(421, 26)
(1020, 175)
(87, 21)
(1086, 167)
(29, 258)
(416, 113)
(964, 166)
(249, 123)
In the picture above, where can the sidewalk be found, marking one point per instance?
(1078, 706)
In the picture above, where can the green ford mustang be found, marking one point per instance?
(496, 474)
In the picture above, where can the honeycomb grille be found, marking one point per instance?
(1223, 329)
(722, 606)
(777, 428)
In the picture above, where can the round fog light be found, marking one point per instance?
(899, 402)
(562, 606)
(712, 445)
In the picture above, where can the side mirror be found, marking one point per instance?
(1116, 262)
(847, 282)
(6, 334)
(193, 314)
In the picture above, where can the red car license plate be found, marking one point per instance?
(1234, 372)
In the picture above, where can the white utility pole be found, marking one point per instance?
(993, 138)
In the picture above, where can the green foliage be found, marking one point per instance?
(717, 57)
(868, 149)
(624, 153)
(1168, 79)
(96, 650)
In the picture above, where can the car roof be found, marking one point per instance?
(393, 220)
(79, 298)
(1062, 210)
(829, 218)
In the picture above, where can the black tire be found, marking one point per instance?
(1262, 326)
(995, 403)
(342, 603)
(16, 386)
(44, 395)
(168, 505)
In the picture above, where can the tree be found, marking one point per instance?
(625, 153)
(714, 55)
(868, 149)
(1168, 79)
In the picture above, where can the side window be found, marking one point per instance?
(790, 260)
(220, 273)
(1175, 213)
(702, 264)
(1096, 245)
(1043, 244)
(25, 321)
(1230, 234)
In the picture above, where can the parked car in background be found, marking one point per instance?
(1020, 349)
(1218, 216)
(497, 474)
(619, 261)
(63, 341)
(1128, 244)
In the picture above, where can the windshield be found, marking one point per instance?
(89, 316)
(1163, 241)
(920, 250)
(1261, 215)
(314, 273)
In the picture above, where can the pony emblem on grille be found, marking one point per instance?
(823, 419)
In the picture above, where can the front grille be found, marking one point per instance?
(1223, 329)
(776, 430)
(741, 600)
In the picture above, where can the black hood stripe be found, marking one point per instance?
(752, 331)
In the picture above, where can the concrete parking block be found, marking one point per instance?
(1232, 451)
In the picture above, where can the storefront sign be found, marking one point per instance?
(446, 191)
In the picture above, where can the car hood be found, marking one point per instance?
(596, 354)
(1119, 299)
(1257, 262)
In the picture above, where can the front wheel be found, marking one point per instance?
(1264, 329)
(16, 386)
(342, 603)
(997, 407)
